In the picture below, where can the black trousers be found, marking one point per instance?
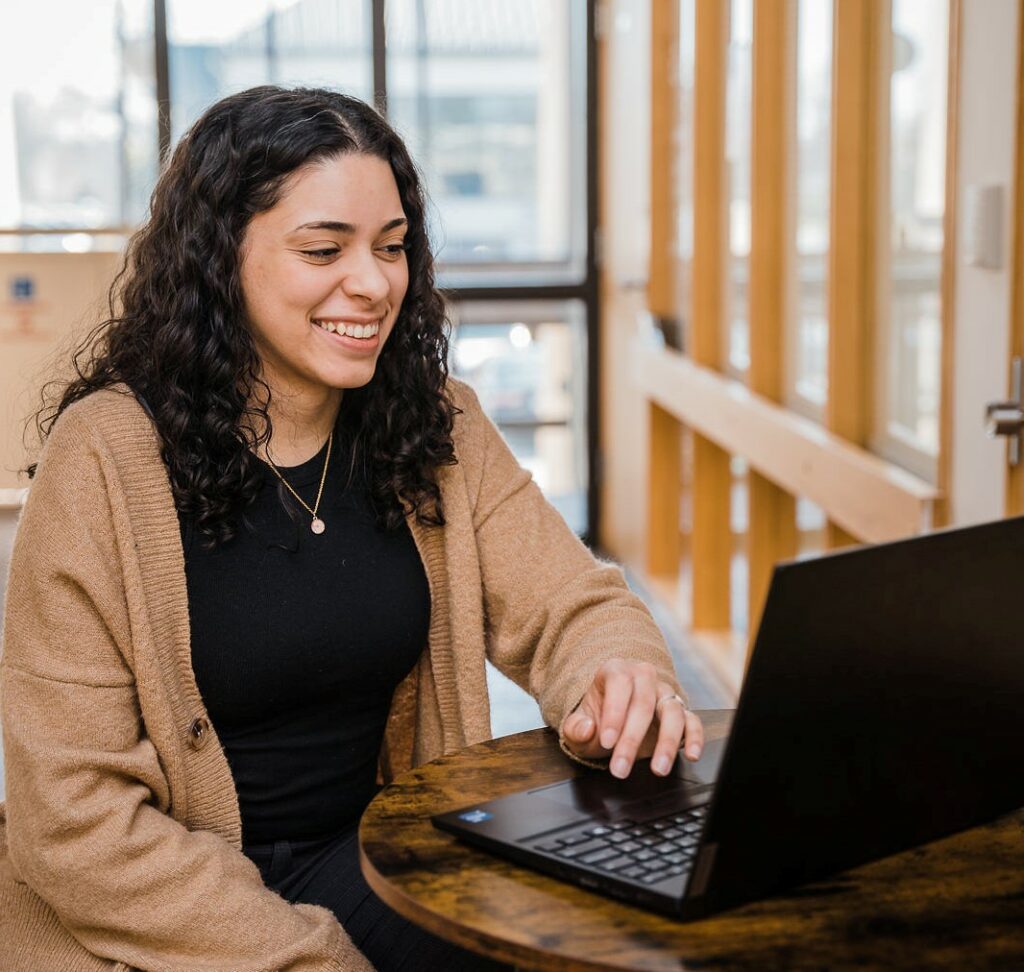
(326, 872)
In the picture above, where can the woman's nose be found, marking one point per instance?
(365, 279)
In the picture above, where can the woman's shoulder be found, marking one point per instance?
(110, 421)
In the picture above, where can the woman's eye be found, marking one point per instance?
(395, 249)
(320, 254)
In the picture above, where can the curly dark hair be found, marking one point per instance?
(177, 333)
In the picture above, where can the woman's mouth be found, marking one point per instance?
(361, 332)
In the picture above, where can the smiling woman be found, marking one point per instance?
(268, 550)
(324, 274)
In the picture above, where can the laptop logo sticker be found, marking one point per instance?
(475, 816)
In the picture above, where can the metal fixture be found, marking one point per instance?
(1007, 418)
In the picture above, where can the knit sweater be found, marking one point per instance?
(122, 845)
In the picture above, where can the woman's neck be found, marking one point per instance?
(300, 426)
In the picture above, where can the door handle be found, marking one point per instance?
(1007, 418)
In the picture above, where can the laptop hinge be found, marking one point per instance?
(702, 870)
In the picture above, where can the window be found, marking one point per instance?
(686, 82)
(78, 147)
(911, 240)
(490, 96)
(215, 49)
(527, 363)
(807, 335)
(737, 155)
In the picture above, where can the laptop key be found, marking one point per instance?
(617, 837)
(571, 839)
(656, 865)
(578, 850)
(643, 856)
(635, 871)
(617, 863)
(597, 831)
(548, 848)
(595, 857)
(630, 847)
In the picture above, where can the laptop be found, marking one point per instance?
(881, 710)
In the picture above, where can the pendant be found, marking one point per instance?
(317, 526)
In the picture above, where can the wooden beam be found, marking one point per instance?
(661, 281)
(944, 472)
(869, 498)
(772, 511)
(852, 275)
(1015, 475)
(712, 536)
(664, 547)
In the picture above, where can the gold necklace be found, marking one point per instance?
(317, 526)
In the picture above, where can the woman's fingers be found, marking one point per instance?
(693, 735)
(620, 717)
(616, 680)
(638, 719)
(671, 716)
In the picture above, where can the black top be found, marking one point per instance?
(298, 642)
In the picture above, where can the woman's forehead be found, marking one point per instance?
(358, 193)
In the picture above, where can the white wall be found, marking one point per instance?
(36, 336)
(988, 120)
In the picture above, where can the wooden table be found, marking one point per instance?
(956, 903)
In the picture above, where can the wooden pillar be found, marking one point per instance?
(1015, 475)
(772, 511)
(712, 532)
(664, 547)
(856, 145)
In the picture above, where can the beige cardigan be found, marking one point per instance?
(123, 836)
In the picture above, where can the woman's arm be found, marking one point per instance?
(561, 623)
(88, 818)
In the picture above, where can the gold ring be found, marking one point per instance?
(672, 696)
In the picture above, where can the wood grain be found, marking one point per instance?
(872, 499)
(956, 903)
(771, 534)
(711, 540)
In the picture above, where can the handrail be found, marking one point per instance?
(873, 500)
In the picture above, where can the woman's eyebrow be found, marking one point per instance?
(336, 227)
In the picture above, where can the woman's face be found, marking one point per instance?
(323, 274)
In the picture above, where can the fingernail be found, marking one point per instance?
(620, 767)
(584, 726)
(693, 752)
(608, 738)
(661, 765)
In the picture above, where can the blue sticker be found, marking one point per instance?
(23, 288)
(475, 816)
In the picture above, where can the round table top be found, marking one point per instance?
(955, 903)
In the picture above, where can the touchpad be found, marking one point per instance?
(602, 794)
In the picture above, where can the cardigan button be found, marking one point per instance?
(198, 733)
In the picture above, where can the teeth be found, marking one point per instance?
(351, 330)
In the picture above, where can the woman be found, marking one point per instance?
(267, 548)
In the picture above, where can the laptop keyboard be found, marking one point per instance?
(646, 852)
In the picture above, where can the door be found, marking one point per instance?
(987, 278)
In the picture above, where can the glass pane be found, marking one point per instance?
(737, 155)
(218, 48)
(77, 115)
(528, 364)
(917, 162)
(684, 161)
(809, 380)
(489, 94)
